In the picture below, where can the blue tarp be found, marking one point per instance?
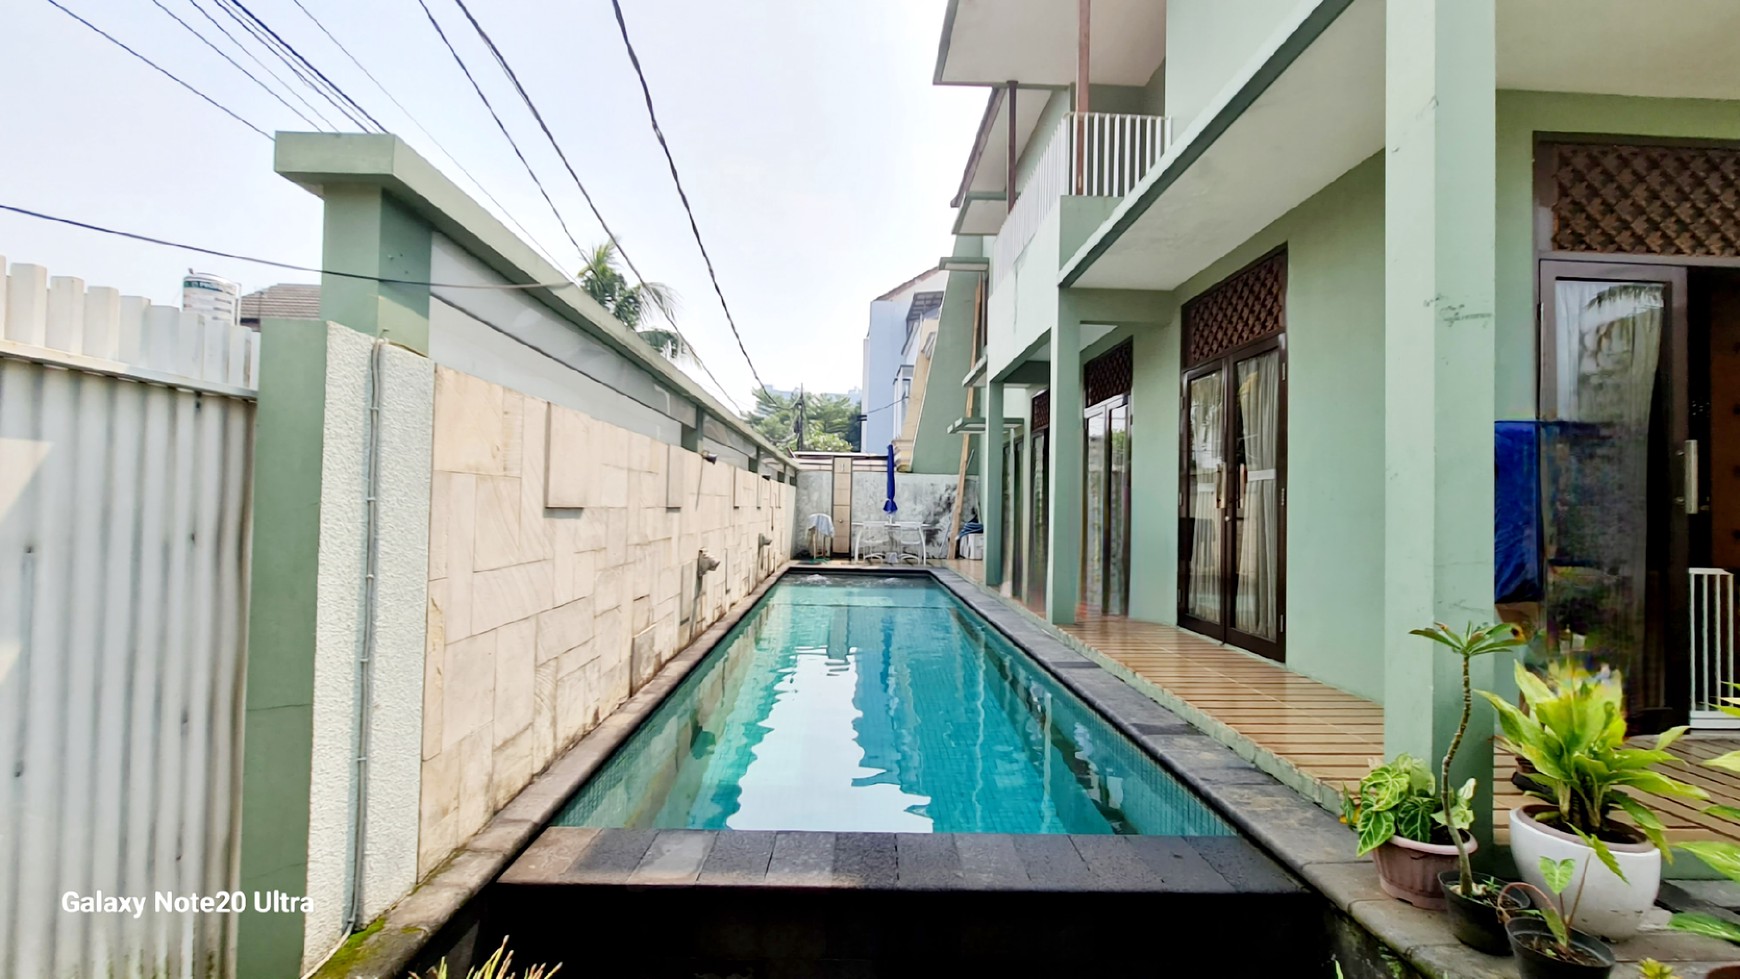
(1516, 513)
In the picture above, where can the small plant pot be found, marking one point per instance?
(1608, 906)
(1476, 923)
(1408, 871)
(1725, 972)
(1530, 936)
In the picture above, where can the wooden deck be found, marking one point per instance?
(1332, 735)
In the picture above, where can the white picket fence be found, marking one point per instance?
(126, 437)
(96, 328)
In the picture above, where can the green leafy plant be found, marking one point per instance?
(1723, 856)
(1400, 799)
(1467, 644)
(1651, 969)
(499, 965)
(1551, 908)
(1573, 736)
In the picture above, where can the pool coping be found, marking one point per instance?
(387, 952)
(1296, 830)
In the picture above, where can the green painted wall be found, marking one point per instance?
(1145, 100)
(934, 450)
(1335, 296)
(370, 231)
(1154, 406)
(1520, 116)
(1208, 42)
(278, 733)
(1056, 107)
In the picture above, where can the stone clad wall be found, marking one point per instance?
(562, 574)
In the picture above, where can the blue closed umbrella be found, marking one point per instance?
(889, 506)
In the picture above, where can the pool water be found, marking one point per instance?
(880, 704)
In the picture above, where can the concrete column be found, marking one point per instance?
(368, 232)
(1439, 226)
(1063, 522)
(991, 482)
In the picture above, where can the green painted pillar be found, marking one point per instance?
(1440, 228)
(368, 232)
(1063, 522)
(278, 719)
(991, 482)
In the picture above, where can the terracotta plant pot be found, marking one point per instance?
(1533, 964)
(1476, 923)
(1408, 871)
(1725, 972)
(1609, 907)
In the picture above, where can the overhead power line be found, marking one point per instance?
(507, 69)
(246, 50)
(297, 72)
(487, 104)
(200, 249)
(233, 63)
(436, 142)
(349, 106)
(216, 253)
(160, 69)
(695, 229)
(501, 61)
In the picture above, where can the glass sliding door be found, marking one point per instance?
(1093, 544)
(1118, 510)
(1006, 533)
(1232, 500)
(1039, 552)
(1256, 514)
(1620, 479)
(1201, 521)
(1105, 574)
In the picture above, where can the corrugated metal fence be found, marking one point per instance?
(126, 433)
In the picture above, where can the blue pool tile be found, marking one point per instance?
(882, 705)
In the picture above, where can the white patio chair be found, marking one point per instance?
(911, 535)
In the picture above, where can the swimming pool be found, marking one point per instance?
(880, 704)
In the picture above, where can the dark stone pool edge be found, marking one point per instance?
(409, 925)
(1294, 829)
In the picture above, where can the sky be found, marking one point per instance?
(817, 156)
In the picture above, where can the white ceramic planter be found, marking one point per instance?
(1610, 907)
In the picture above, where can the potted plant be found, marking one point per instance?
(1574, 737)
(1721, 855)
(1545, 943)
(1408, 828)
(1470, 898)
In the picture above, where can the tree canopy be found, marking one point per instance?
(631, 304)
(831, 421)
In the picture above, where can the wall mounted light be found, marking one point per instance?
(709, 456)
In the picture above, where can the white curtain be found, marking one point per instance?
(1202, 589)
(1256, 607)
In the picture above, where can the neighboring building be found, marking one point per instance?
(895, 317)
(286, 300)
(211, 296)
(1268, 279)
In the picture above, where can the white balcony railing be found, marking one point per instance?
(1714, 665)
(1091, 154)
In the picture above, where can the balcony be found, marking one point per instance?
(1090, 154)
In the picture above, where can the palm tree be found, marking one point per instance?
(604, 282)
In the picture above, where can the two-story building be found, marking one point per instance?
(1272, 283)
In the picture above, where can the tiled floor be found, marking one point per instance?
(1329, 734)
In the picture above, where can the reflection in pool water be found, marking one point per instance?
(880, 705)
